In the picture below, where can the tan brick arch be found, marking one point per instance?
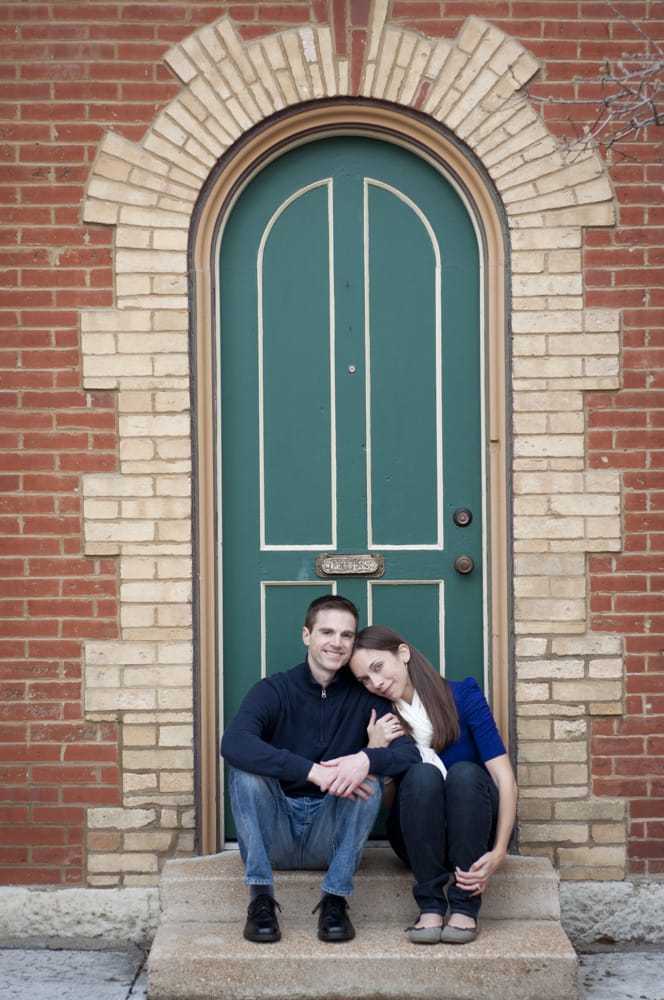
(251, 97)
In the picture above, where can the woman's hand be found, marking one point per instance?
(382, 731)
(478, 876)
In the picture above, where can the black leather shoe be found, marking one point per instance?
(333, 921)
(262, 924)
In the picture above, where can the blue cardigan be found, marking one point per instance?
(479, 739)
(287, 722)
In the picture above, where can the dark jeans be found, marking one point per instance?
(435, 825)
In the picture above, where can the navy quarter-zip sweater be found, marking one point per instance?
(288, 722)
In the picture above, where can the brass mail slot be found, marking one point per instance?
(360, 564)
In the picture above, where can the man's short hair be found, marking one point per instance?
(330, 602)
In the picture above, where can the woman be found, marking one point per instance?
(455, 810)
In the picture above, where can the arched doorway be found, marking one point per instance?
(425, 284)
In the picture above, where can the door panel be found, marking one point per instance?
(351, 415)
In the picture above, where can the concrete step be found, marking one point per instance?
(509, 960)
(211, 889)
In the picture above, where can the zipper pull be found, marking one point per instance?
(323, 693)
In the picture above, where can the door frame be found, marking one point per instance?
(258, 147)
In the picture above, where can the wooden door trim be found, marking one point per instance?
(234, 171)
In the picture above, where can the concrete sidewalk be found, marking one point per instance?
(43, 974)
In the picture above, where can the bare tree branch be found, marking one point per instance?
(631, 99)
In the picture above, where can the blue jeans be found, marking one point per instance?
(436, 824)
(275, 831)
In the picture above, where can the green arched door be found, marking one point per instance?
(350, 298)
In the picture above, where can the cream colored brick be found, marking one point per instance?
(532, 586)
(568, 586)
(176, 736)
(139, 783)
(540, 669)
(571, 774)
(608, 833)
(606, 668)
(565, 261)
(121, 653)
(534, 729)
(177, 617)
(553, 609)
(526, 692)
(553, 750)
(156, 508)
(151, 343)
(123, 863)
(530, 423)
(541, 709)
(140, 736)
(171, 365)
(605, 707)
(104, 700)
(574, 833)
(172, 449)
(590, 690)
(103, 881)
(186, 843)
(102, 677)
(590, 644)
(174, 698)
(529, 646)
(536, 775)
(592, 858)
(165, 759)
(549, 402)
(170, 818)
(102, 373)
(138, 568)
(170, 284)
(99, 344)
(602, 319)
(531, 505)
(534, 809)
(174, 569)
(132, 617)
(550, 238)
(138, 451)
(592, 809)
(568, 729)
(163, 592)
(120, 819)
(154, 840)
(548, 368)
(130, 880)
(566, 423)
(585, 344)
(549, 445)
(549, 527)
(101, 510)
(173, 486)
(132, 285)
(176, 782)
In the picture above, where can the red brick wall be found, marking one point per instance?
(70, 71)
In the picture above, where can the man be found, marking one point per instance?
(302, 791)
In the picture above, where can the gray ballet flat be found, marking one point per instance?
(458, 935)
(424, 935)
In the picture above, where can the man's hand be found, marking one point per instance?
(348, 777)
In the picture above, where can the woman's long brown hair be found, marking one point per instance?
(434, 691)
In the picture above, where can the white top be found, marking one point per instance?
(415, 714)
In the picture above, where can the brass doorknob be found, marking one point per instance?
(464, 564)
